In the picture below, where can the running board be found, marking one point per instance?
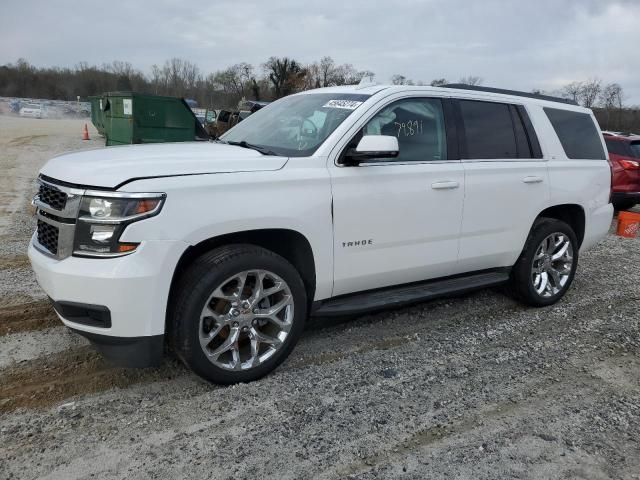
(393, 297)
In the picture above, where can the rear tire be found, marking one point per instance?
(223, 328)
(547, 265)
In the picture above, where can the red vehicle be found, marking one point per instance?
(624, 153)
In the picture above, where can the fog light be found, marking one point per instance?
(102, 233)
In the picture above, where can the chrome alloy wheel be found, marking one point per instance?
(246, 320)
(552, 264)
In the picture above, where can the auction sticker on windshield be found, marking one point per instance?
(346, 104)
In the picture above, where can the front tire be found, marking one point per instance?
(239, 311)
(546, 268)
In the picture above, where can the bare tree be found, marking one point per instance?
(177, 77)
(572, 91)
(346, 74)
(158, 79)
(128, 78)
(326, 71)
(119, 68)
(365, 73)
(286, 75)
(471, 80)
(235, 80)
(612, 96)
(590, 92)
(439, 82)
(256, 88)
(312, 78)
(399, 80)
(611, 99)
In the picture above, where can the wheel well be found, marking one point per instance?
(570, 214)
(291, 245)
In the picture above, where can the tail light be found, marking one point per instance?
(630, 164)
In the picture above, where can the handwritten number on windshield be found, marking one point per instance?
(409, 129)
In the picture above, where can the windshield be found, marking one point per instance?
(295, 126)
(635, 146)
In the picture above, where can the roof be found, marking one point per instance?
(369, 89)
(621, 136)
(517, 93)
(487, 93)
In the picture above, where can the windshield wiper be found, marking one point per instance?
(258, 148)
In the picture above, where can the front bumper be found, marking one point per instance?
(133, 290)
(131, 352)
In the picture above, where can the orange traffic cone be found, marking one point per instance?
(85, 133)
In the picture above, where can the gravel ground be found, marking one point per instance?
(474, 387)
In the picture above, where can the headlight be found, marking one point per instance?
(104, 216)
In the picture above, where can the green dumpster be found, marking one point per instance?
(131, 117)
(97, 114)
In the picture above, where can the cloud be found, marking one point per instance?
(513, 44)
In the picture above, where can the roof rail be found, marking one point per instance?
(479, 88)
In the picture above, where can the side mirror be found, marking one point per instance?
(373, 146)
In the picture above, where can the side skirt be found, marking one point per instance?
(396, 296)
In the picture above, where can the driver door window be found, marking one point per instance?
(419, 126)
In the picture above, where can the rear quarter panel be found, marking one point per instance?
(583, 182)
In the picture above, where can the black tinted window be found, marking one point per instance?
(524, 149)
(617, 147)
(488, 129)
(635, 148)
(577, 133)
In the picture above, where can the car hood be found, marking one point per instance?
(112, 166)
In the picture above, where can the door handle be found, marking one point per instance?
(532, 179)
(447, 185)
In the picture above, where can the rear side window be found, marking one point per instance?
(577, 133)
(617, 147)
(635, 147)
(489, 130)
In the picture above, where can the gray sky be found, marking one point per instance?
(519, 44)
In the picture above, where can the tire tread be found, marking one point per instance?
(518, 286)
(189, 282)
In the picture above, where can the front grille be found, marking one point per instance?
(48, 236)
(57, 210)
(52, 196)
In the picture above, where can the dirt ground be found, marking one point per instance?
(475, 387)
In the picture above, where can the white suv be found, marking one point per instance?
(327, 202)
